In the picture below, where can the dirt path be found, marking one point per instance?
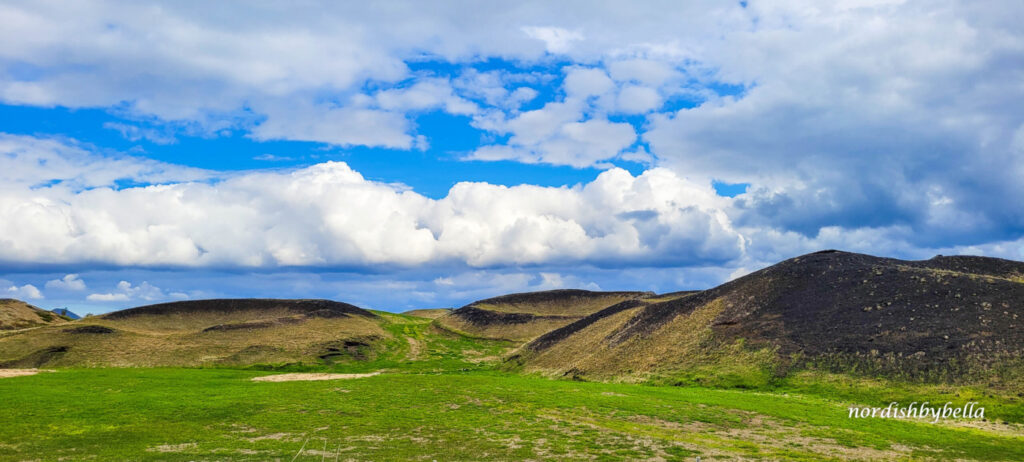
(414, 349)
(10, 332)
(6, 373)
(310, 376)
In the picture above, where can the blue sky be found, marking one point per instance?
(397, 157)
(431, 172)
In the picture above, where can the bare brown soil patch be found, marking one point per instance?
(303, 376)
(414, 348)
(173, 447)
(273, 436)
(6, 373)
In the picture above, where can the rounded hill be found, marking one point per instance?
(941, 318)
(524, 316)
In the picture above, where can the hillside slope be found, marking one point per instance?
(941, 319)
(521, 317)
(248, 332)
(16, 314)
(191, 333)
(429, 313)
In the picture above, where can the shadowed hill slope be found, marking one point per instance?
(945, 318)
(313, 308)
(229, 313)
(521, 317)
(16, 314)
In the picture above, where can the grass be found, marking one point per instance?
(1019, 278)
(219, 414)
(1000, 405)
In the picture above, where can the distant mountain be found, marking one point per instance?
(940, 319)
(16, 314)
(67, 314)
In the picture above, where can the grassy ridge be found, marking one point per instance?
(274, 338)
(207, 414)
(523, 317)
(16, 314)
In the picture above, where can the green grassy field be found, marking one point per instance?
(220, 414)
(442, 395)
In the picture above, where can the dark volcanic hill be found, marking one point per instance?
(940, 318)
(521, 317)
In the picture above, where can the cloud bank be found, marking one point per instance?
(328, 215)
(844, 114)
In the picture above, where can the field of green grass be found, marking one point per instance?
(221, 414)
(441, 395)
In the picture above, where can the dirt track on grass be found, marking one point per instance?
(7, 373)
(310, 376)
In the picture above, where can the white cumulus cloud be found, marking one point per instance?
(556, 39)
(25, 292)
(896, 118)
(68, 282)
(328, 214)
(125, 291)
